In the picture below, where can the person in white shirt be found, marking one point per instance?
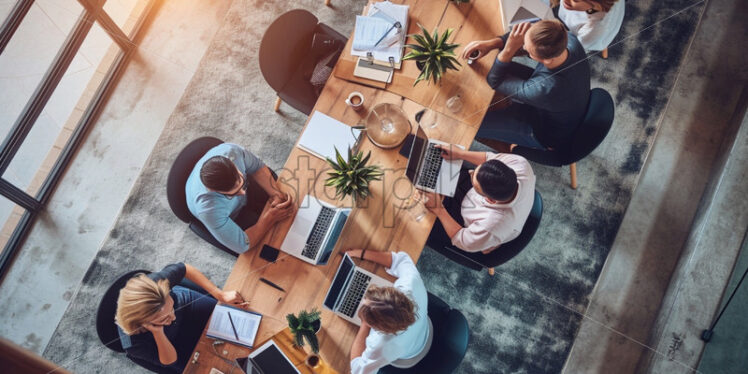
(395, 328)
(491, 205)
(594, 22)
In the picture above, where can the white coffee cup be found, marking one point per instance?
(355, 100)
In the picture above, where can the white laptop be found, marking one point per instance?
(315, 230)
(348, 288)
(428, 170)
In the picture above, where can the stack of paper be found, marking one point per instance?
(379, 23)
(323, 134)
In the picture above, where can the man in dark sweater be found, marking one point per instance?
(549, 101)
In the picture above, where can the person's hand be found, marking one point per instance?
(281, 200)
(482, 47)
(516, 38)
(154, 329)
(277, 213)
(449, 151)
(230, 297)
(353, 252)
(431, 200)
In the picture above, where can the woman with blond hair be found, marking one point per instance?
(395, 328)
(594, 22)
(160, 321)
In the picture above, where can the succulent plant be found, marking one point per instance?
(433, 54)
(302, 327)
(352, 177)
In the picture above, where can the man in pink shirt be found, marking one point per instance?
(491, 204)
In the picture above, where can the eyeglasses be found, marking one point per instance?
(245, 183)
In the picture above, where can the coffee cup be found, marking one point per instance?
(355, 100)
(473, 56)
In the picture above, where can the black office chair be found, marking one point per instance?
(287, 59)
(588, 135)
(449, 344)
(479, 261)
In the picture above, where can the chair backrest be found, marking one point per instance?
(449, 345)
(509, 250)
(105, 326)
(285, 45)
(595, 127)
(180, 171)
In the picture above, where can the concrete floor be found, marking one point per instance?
(62, 244)
(36, 292)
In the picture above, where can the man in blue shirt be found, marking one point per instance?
(549, 101)
(217, 195)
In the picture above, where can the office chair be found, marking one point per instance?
(449, 344)
(588, 135)
(287, 59)
(478, 261)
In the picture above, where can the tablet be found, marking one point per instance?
(269, 359)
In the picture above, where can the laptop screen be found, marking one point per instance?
(269, 360)
(346, 266)
(420, 141)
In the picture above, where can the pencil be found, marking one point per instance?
(232, 326)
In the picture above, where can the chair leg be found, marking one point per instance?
(278, 102)
(604, 53)
(491, 272)
(573, 172)
(327, 2)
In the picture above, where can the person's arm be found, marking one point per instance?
(277, 210)
(451, 152)
(483, 47)
(359, 342)
(167, 354)
(218, 222)
(265, 179)
(228, 297)
(379, 257)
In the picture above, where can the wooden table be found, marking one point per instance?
(377, 223)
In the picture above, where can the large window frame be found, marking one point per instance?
(33, 205)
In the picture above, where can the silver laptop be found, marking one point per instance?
(428, 170)
(315, 230)
(348, 288)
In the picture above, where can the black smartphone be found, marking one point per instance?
(269, 253)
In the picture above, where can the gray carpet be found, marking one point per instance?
(524, 319)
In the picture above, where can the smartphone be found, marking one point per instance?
(269, 253)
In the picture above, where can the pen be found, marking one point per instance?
(396, 24)
(232, 326)
(271, 284)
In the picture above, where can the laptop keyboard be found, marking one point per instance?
(314, 241)
(432, 162)
(355, 293)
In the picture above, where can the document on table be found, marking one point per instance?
(375, 25)
(323, 134)
(246, 325)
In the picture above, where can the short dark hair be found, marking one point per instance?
(498, 181)
(549, 37)
(219, 173)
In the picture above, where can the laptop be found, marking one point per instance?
(267, 359)
(428, 170)
(348, 288)
(315, 230)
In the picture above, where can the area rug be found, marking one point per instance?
(523, 319)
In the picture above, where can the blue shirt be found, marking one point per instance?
(215, 210)
(560, 95)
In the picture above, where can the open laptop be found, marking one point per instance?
(314, 231)
(348, 288)
(428, 170)
(267, 359)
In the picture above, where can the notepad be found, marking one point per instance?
(323, 134)
(246, 325)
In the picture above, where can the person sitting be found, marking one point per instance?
(594, 22)
(395, 328)
(216, 193)
(491, 203)
(551, 100)
(160, 321)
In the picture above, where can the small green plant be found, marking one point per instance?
(303, 327)
(352, 177)
(433, 54)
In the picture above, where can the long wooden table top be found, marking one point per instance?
(378, 223)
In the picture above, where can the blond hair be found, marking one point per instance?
(549, 37)
(139, 301)
(387, 310)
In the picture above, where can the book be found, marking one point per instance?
(246, 324)
(323, 134)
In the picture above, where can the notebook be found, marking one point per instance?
(324, 133)
(246, 324)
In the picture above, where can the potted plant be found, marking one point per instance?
(305, 325)
(433, 55)
(352, 177)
